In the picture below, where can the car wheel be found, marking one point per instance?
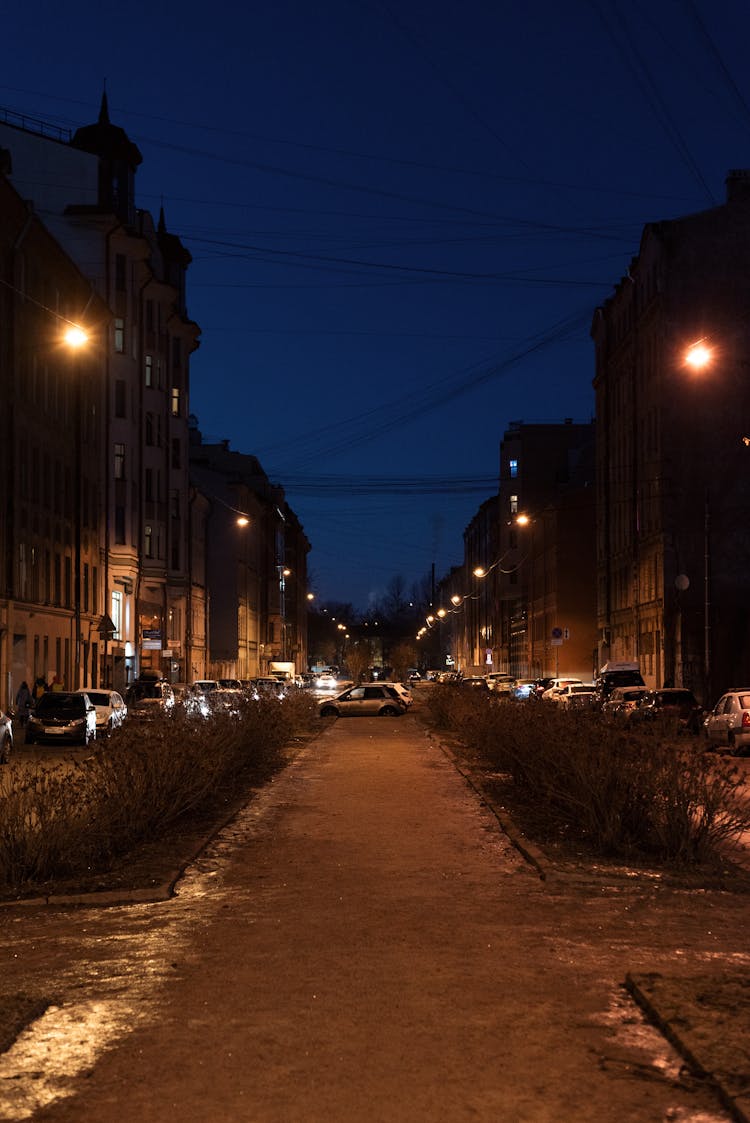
(5, 750)
(329, 711)
(733, 745)
(389, 711)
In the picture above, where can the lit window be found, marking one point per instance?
(513, 466)
(149, 370)
(119, 334)
(175, 401)
(514, 504)
(116, 614)
(149, 535)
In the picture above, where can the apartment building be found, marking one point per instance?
(255, 565)
(673, 473)
(51, 451)
(527, 605)
(82, 187)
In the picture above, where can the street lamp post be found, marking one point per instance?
(76, 338)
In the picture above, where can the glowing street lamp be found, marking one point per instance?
(698, 355)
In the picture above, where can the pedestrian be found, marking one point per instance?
(57, 684)
(24, 702)
(40, 687)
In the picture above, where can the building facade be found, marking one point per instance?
(82, 186)
(527, 605)
(673, 474)
(255, 566)
(51, 447)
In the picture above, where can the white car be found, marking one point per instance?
(576, 695)
(728, 723)
(111, 710)
(500, 682)
(557, 685)
(403, 692)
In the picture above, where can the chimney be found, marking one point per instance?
(738, 185)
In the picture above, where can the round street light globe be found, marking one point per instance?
(698, 356)
(75, 336)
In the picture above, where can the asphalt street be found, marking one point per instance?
(363, 943)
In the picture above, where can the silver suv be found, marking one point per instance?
(728, 723)
(367, 700)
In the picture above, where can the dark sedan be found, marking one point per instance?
(671, 702)
(62, 716)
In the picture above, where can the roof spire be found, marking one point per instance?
(104, 108)
(162, 221)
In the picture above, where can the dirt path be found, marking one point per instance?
(363, 944)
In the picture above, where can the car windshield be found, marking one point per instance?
(675, 698)
(60, 705)
(140, 690)
(98, 697)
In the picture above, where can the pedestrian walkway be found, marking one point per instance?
(364, 945)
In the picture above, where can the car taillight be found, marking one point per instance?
(746, 719)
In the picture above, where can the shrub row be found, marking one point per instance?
(623, 791)
(72, 820)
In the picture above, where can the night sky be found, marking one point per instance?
(402, 217)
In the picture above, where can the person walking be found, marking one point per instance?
(40, 687)
(24, 702)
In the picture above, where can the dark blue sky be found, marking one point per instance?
(402, 217)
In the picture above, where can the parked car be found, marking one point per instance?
(269, 687)
(614, 674)
(229, 684)
(556, 685)
(111, 710)
(326, 680)
(623, 701)
(500, 682)
(369, 699)
(671, 702)
(523, 689)
(475, 682)
(148, 698)
(6, 737)
(206, 685)
(62, 716)
(576, 695)
(403, 692)
(728, 723)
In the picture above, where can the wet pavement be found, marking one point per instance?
(363, 943)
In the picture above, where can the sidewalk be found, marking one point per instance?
(364, 944)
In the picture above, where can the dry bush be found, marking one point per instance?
(623, 790)
(67, 821)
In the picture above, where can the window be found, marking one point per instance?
(176, 353)
(175, 401)
(119, 462)
(120, 398)
(149, 370)
(514, 504)
(513, 467)
(119, 335)
(116, 614)
(149, 537)
(176, 453)
(149, 436)
(149, 484)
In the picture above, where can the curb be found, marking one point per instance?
(528, 851)
(737, 1106)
